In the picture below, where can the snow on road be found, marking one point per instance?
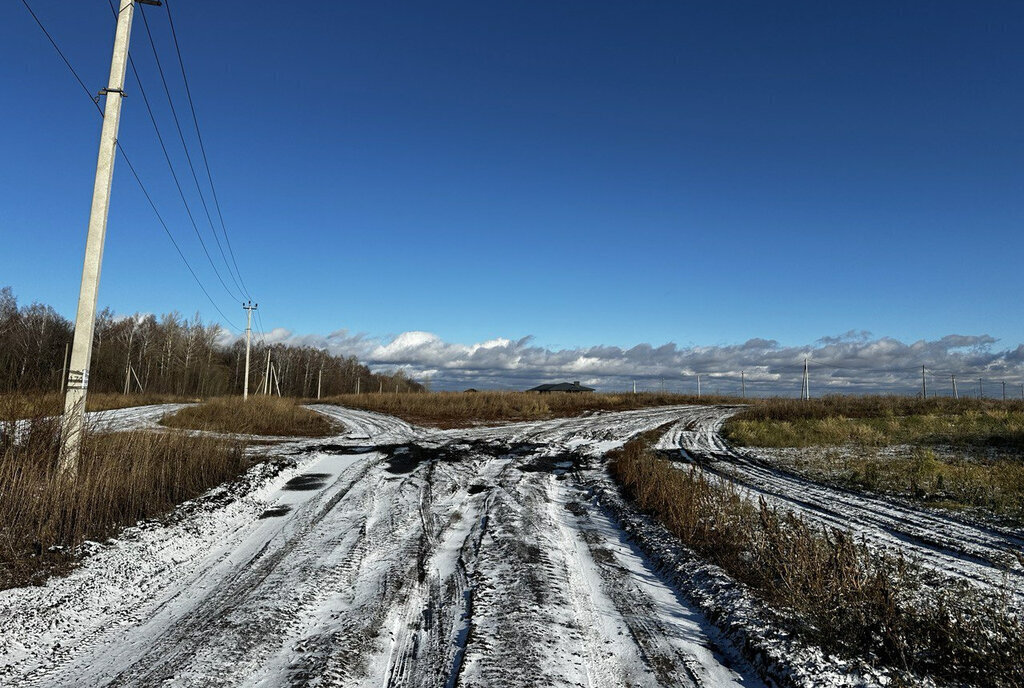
(387, 556)
(393, 555)
(988, 557)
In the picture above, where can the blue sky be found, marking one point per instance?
(586, 173)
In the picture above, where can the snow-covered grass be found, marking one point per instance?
(467, 409)
(957, 455)
(259, 415)
(830, 589)
(123, 477)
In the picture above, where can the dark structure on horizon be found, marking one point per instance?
(575, 387)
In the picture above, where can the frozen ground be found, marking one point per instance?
(388, 556)
(985, 556)
(394, 555)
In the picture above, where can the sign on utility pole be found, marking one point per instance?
(85, 319)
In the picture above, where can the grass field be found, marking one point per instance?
(260, 415)
(464, 409)
(878, 421)
(122, 478)
(956, 455)
(830, 588)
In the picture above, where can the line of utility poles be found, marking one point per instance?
(85, 316)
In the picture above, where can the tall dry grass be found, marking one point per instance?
(462, 409)
(122, 478)
(259, 415)
(831, 589)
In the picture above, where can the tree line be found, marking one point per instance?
(170, 354)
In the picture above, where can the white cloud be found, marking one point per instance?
(851, 362)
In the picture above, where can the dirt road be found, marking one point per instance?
(388, 556)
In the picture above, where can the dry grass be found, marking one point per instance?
(465, 409)
(878, 421)
(985, 473)
(19, 406)
(122, 478)
(832, 590)
(981, 483)
(260, 415)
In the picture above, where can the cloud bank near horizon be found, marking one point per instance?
(852, 362)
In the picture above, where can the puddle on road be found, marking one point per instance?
(275, 511)
(307, 481)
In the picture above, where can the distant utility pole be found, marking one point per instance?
(357, 386)
(981, 390)
(1004, 391)
(319, 380)
(249, 308)
(924, 385)
(698, 385)
(805, 386)
(743, 384)
(634, 386)
(128, 361)
(953, 378)
(85, 318)
(266, 377)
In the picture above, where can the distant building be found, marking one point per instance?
(575, 387)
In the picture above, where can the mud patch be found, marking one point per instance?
(307, 482)
(275, 511)
(477, 488)
(339, 449)
(558, 464)
(405, 458)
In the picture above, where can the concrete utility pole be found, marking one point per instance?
(981, 389)
(805, 387)
(85, 318)
(924, 385)
(1004, 391)
(698, 385)
(249, 308)
(128, 361)
(955, 395)
(319, 380)
(266, 377)
(743, 383)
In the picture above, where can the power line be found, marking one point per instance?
(202, 147)
(171, 236)
(167, 157)
(95, 101)
(128, 161)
